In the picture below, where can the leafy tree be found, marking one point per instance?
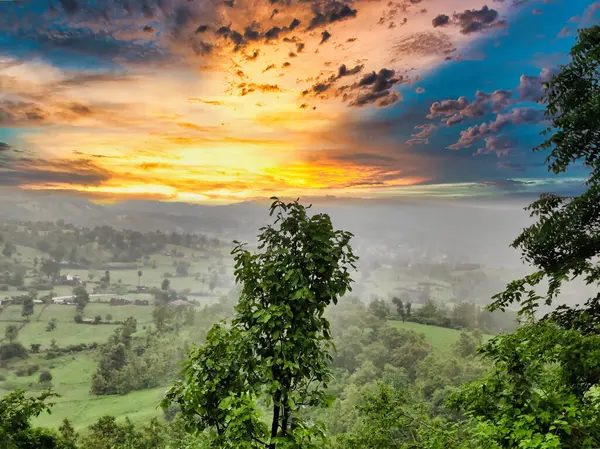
(81, 298)
(67, 431)
(50, 268)
(16, 411)
(35, 347)
(399, 308)
(380, 309)
(165, 285)
(139, 273)
(27, 310)
(407, 309)
(277, 345)
(11, 332)
(543, 391)
(97, 319)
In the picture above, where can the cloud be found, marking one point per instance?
(419, 90)
(499, 145)
(518, 116)
(470, 20)
(25, 171)
(333, 11)
(424, 43)
(440, 20)
(325, 35)
(455, 111)
(425, 131)
(531, 87)
(375, 88)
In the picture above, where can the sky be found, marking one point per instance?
(229, 100)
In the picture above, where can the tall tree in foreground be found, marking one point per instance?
(544, 391)
(277, 347)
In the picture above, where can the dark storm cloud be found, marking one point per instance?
(470, 20)
(5, 147)
(322, 86)
(334, 11)
(85, 41)
(440, 20)
(69, 6)
(377, 88)
(325, 35)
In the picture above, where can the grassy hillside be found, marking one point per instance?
(442, 339)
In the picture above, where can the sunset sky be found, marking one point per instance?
(229, 100)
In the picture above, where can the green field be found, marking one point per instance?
(442, 339)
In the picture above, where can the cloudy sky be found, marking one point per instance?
(227, 100)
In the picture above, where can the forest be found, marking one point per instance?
(291, 357)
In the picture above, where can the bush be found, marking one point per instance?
(27, 370)
(13, 350)
(78, 318)
(45, 376)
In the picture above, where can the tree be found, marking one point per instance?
(97, 319)
(51, 325)
(165, 285)
(9, 249)
(181, 268)
(50, 268)
(45, 376)
(81, 298)
(17, 409)
(27, 310)
(139, 277)
(277, 345)
(35, 347)
(11, 332)
(35, 262)
(407, 309)
(67, 431)
(380, 309)
(399, 308)
(540, 394)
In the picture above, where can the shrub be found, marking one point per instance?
(12, 350)
(78, 318)
(45, 376)
(26, 370)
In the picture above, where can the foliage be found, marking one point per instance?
(16, 411)
(277, 346)
(542, 392)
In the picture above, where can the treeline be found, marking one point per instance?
(462, 315)
(82, 247)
